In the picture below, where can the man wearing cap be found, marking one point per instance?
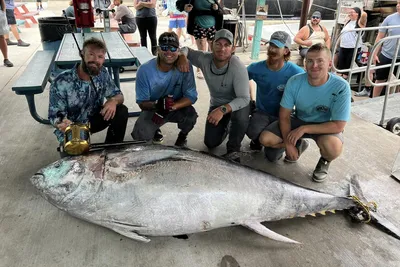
(228, 82)
(313, 33)
(165, 94)
(271, 76)
(322, 102)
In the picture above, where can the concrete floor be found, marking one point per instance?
(34, 233)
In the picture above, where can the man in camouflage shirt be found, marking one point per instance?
(73, 97)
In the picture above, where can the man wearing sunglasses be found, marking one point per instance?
(313, 33)
(228, 82)
(165, 94)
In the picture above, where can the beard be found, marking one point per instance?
(91, 68)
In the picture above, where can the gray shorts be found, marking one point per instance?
(296, 123)
(259, 122)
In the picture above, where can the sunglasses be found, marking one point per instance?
(316, 17)
(165, 48)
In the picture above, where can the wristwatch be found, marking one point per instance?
(224, 109)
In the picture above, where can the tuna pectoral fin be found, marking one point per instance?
(130, 234)
(264, 231)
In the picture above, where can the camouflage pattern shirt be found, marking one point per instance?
(76, 99)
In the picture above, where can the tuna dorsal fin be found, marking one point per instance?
(264, 231)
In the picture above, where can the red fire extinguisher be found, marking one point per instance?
(83, 13)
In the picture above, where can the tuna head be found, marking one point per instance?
(70, 181)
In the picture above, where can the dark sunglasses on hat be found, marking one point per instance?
(315, 17)
(165, 48)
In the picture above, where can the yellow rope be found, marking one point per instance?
(366, 207)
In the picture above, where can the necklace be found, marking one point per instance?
(226, 70)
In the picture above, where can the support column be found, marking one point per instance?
(255, 49)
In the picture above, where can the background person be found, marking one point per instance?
(74, 99)
(146, 21)
(312, 33)
(125, 16)
(3, 30)
(385, 54)
(69, 11)
(164, 94)
(205, 17)
(177, 19)
(12, 22)
(348, 40)
(39, 5)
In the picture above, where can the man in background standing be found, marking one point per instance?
(13, 25)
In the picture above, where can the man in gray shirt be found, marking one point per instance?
(126, 17)
(385, 54)
(228, 82)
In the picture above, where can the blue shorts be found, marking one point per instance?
(175, 23)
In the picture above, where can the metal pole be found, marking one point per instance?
(304, 13)
(255, 49)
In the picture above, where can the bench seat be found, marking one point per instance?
(34, 79)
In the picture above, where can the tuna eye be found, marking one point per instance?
(67, 186)
(57, 165)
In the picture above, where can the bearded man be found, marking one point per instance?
(270, 76)
(78, 94)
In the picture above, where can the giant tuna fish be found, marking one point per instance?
(145, 191)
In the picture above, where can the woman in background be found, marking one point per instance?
(348, 40)
(146, 20)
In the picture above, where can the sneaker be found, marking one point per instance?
(22, 43)
(199, 75)
(232, 156)
(8, 63)
(9, 42)
(158, 137)
(301, 146)
(364, 92)
(181, 141)
(255, 145)
(321, 170)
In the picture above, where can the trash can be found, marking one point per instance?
(52, 30)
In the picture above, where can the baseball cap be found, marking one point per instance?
(316, 14)
(224, 33)
(168, 38)
(281, 39)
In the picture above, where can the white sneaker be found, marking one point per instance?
(364, 92)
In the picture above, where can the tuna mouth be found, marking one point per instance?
(37, 178)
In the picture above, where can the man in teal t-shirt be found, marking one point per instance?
(271, 76)
(322, 109)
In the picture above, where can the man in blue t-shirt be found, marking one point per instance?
(271, 76)
(165, 94)
(322, 102)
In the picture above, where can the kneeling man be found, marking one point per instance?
(322, 102)
(165, 94)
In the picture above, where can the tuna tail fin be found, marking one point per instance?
(264, 231)
(376, 218)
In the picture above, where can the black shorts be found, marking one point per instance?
(39, 1)
(201, 33)
(10, 17)
(383, 74)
